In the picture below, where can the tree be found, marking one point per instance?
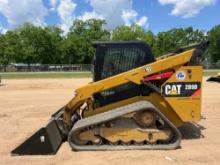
(2, 48)
(38, 44)
(77, 46)
(214, 48)
(91, 29)
(46, 45)
(175, 38)
(75, 50)
(134, 32)
(31, 40)
(10, 47)
(126, 33)
(54, 44)
(149, 37)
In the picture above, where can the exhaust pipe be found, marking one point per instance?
(47, 140)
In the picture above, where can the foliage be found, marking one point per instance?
(176, 38)
(214, 48)
(9, 47)
(46, 45)
(218, 63)
(126, 33)
(77, 46)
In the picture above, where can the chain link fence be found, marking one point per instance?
(211, 65)
(44, 67)
(65, 67)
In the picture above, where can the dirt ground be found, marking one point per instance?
(26, 105)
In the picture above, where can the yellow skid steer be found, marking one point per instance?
(134, 102)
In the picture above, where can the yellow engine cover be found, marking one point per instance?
(182, 91)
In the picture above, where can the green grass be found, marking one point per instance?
(29, 75)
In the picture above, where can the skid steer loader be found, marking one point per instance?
(134, 102)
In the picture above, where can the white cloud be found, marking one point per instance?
(90, 15)
(143, 21)
(66, 9)
(116, 12)
(53, 4)
(3, 30)
(19, 12)
(131, 16)
(187, 8)
(111, 10)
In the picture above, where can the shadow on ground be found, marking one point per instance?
(191, 131)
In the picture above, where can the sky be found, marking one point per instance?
(154, 15)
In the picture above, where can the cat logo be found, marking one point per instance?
(180, 89)
(173, 89)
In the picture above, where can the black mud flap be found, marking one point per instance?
(214, 79)
(46, 141)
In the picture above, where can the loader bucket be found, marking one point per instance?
(46, 141)
(214, 79)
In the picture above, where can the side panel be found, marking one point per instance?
(183, 92)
